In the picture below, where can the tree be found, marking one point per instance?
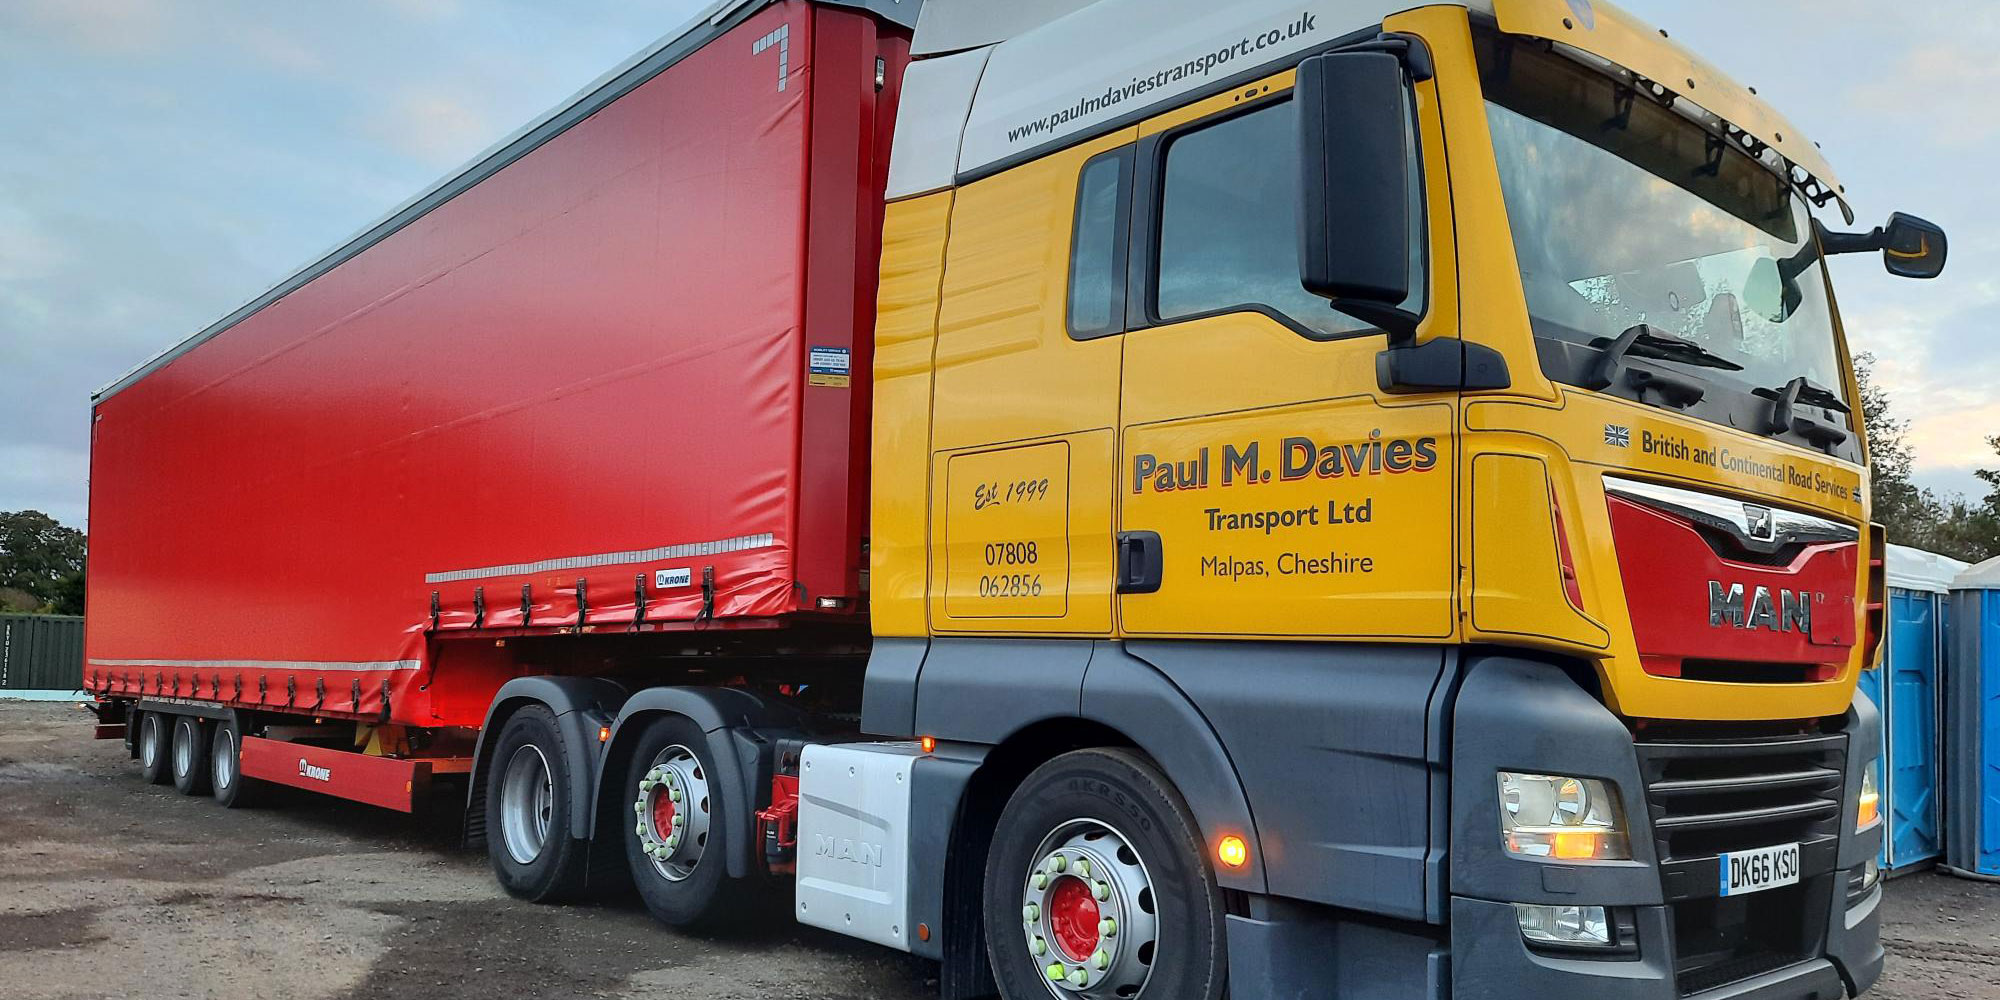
(43, 559)
(1907, 511)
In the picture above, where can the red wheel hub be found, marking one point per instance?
(663, 813)
(1073, 916)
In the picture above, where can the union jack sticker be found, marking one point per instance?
(1618, 436)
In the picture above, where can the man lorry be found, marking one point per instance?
(1141, 498)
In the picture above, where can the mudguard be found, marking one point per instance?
(580, 704)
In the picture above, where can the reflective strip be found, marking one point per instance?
(356, 665)
(684, 550)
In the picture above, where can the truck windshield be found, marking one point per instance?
(1623, 212)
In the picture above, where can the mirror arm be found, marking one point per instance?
(1832, 243)
(1399, 324)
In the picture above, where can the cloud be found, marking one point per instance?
(47, 471)
(113, 26)
(437, 127)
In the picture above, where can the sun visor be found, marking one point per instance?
(1604, 31)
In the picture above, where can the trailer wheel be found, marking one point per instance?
(190, 756)
(225, 759)
(153, 751)
(528, 811)
(1098, 888)
(673, 842)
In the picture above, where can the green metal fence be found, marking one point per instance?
(41, 652)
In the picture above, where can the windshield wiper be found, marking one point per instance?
(1785, 417)
(1642, 341)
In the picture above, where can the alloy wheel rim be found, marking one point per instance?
(183, 752)
(672, 812)
(225, 761)
(527, 804)
(1089, 915)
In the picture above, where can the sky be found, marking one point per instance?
(164, 161)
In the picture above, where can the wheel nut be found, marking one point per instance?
(1040, 881)
(642, 830)
(1102, 891)
(674, 794)
(1039, 947)
(1107, 928)
(646, 785)
(639, 807)
(1079, 978)
(1101, 960)
(1058, 864)
(1083, 867)
(673, 841)
(1030, 913)
(1055, 972)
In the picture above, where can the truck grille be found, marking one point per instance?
(1708, 797)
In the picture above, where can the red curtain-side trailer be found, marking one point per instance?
(609, 379)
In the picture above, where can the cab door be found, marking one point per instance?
(1025, 416)
(1268, 487)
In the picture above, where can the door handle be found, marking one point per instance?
(1141, 562)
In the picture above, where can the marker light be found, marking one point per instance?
(1560, 818)
(1232, 852)
(928, 743)
(1868, 806)
(603, 734)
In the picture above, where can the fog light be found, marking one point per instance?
(1564, 926)
(1871, 873)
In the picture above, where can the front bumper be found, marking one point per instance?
(1490, 961)
(1687, 793)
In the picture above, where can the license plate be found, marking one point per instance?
(1764, 868)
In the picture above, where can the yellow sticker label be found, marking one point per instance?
(1007, 533)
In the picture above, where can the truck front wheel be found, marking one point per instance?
(673, 833)
(1098, 888)
(528, 811)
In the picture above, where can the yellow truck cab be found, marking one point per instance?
(1385, 484)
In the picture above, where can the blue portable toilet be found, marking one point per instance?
(1907, 690)
(1972, 725)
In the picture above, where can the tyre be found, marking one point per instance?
(225, 767)
(673, 837)
(153, 750)
(1098, 887)
(189, 761)
(528, 784)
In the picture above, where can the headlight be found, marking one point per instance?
(1868, 806)
(1561, 819)
(1566, 926)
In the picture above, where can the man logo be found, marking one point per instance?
(1760, 522)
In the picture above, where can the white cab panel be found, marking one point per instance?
(937, 94)
(854, 831)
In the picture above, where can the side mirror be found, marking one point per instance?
(1913, 248)
(1355, 141)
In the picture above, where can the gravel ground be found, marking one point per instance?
(114, 888)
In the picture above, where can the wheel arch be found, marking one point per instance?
(737, 724)
(579, 703)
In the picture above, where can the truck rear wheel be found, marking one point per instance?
(153, 752)
(225, 767)
(1098, 888)
(528, 810)
(673, 836)
(190, 756)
